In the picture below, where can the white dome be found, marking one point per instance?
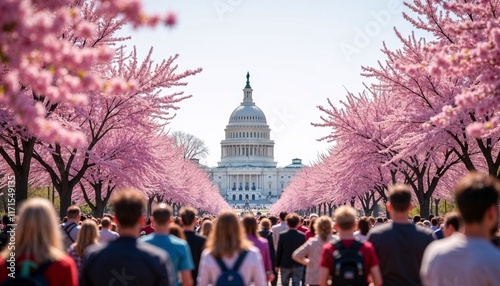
(248, 114)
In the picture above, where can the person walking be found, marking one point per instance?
(309, 253)
(227, 248)
(195, 241)
(87, 236)
(38, 247)
(126, 260)
(468, 258)
(250, 225)
(399, 244)
(177, 248)
(288, 242)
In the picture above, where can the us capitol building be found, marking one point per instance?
(247, 172)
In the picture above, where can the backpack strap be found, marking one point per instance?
(68, 230)
(240, 260)
(41, 268)
(221, 264)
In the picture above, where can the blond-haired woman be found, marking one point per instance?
(227, 243)
(87, 236)
(312, 249)
(38, 246)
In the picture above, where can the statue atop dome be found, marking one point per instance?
(248, 81)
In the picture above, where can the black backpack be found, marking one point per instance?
(230, 277)
(37, 278)
(348, 265)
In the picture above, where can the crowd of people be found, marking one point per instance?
(460, 248)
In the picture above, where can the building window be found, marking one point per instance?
(269, 177)
(282, 177)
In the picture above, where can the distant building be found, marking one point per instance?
(247, 170)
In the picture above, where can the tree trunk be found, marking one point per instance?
(65, 193)
(425, 207)
(22, 176)
(150, 206)
(436, 205)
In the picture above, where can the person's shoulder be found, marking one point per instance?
(149, 250)
(177, 241)
(424, 230)
(262, 239)
(253, 252)
(66, 261)
(147, 237)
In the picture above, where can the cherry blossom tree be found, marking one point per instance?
(48, 52)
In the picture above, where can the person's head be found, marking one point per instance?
(38, 234)
(372, 220)
(250, 225)
(380, 220)
(88, 235)
(323, 227)
(313, 215)
(265, 223)
(162, 215)
(114, 227)
(292, 220)
(5, 220)
(345, 218)
(427, 223)
(188, 216)
(363, 225)
(274, 220)
(105, 223)
(452, 223)
(177, 230)
(227, 237)
(283, 216)
(435, 221)
(206, 228)
(477, 196)
(74, 213)
(399, 199)
(128, 205)
(311, 225)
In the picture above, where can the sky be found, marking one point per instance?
(298, 53)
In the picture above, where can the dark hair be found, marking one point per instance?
(283, 215)
(105, 222)
(434, 221)
(292, 220)
(400, 197)
(380, 220)
(475, 194)
(176, 230)
(416, 218)
(363, 225)
(73, 212)
(148, 221)
(162, 213)
(128, 205)
(454, 219)
(431, 216)
(188, 215)
(5, 219)
(250, 225)
(273, 220)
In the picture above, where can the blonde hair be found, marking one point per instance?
(265, 223)
(87, 235)
(38, 234)
(323, 227)
(227, 237)
(345, 217)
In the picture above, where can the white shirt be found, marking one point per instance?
(106, 235)
(251, 270)
(461, 261)
(277, 229)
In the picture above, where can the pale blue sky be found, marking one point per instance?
(299, 53)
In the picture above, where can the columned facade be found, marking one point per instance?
(247, 170)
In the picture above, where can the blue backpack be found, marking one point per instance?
(230, 277)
